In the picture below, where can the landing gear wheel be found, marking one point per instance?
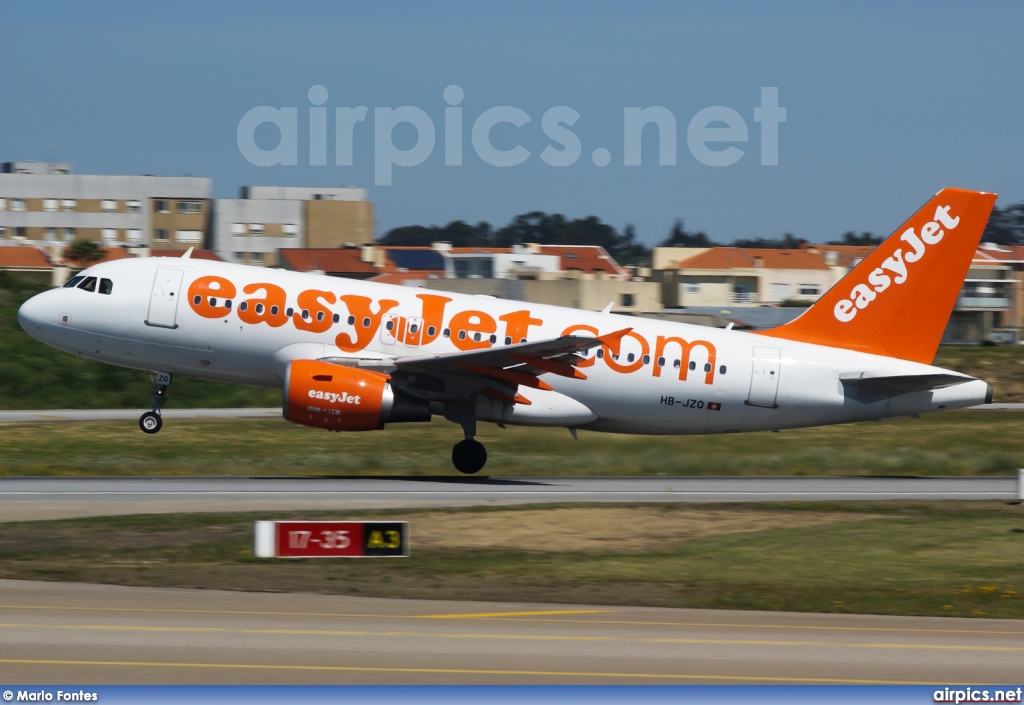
(469, 456)
(150, 422)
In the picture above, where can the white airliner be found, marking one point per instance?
(354, 356)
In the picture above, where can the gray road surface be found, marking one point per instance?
(54, 633)
(44, 415)
(54, 497)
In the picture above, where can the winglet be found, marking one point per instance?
(613, 341)
(188, 253)
(898, 300)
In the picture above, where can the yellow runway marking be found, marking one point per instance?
(488, 615)
(363, 615)
(509, 637)
(460, 671)
(717, 625)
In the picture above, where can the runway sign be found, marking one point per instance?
(331, 539)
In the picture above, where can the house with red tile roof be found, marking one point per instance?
(25, 259)
(737, 276)
(348, 262)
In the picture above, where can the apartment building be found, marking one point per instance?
(252, 229)
(44, 203)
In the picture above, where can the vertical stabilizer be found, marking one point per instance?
(898, 300)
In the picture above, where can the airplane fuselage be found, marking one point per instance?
(241, 324)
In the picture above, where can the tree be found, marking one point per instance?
(863, 240)
(786, 242)
(457, 232)
(678, 237)
(84, 252)
(1006, 225)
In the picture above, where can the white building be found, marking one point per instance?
(43, 203)
(251, 229)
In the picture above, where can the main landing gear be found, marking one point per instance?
(150, 422)
(469, 456)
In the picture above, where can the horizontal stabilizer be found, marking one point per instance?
(901, 384)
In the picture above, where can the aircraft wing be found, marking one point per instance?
(498, 372)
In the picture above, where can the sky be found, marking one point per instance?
(885, 104)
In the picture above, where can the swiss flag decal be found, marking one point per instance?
(714, 406)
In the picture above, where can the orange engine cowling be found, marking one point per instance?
(340, 398)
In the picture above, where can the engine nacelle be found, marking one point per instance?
(340, 398)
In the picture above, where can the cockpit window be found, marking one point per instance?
(73, 282)
(106, 286)
(89, 284)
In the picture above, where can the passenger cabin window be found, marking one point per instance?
(89, 284)
(106, 286)
(73, 282)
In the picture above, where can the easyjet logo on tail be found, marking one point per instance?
(896, 268)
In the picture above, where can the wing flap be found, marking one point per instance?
(499, 372)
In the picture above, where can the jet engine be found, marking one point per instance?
(340, 398)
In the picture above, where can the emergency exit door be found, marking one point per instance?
(764, 382)
(163, 302)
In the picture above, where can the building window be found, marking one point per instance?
(51, 233)
(69, 205)
(188, 235)
(161, 234)
(20, 233)
(50, 205)
(627, 300)
(109, 235)
(691, 287)
(189, 207)
(239, 257)
(17, 204)
(133, 206)
(69, 234)
(3, 204)
(162, 206)
(3, 231)
(109, 206)
(290, 229)
(238, 229)
(809, 290)
(257, 258)
(779, 291)
(133, 235)
(256, 228)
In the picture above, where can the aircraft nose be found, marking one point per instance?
(34, 313)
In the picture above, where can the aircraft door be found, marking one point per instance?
(163, 302)
(764, 382)
(414, 331)
(389, 328)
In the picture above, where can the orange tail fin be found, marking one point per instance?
(897, 301)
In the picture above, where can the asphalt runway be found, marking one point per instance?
(23, 498)
(51, 415)
(90, 634)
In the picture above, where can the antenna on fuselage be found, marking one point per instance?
(188, 253)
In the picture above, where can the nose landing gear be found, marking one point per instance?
(151, 422)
